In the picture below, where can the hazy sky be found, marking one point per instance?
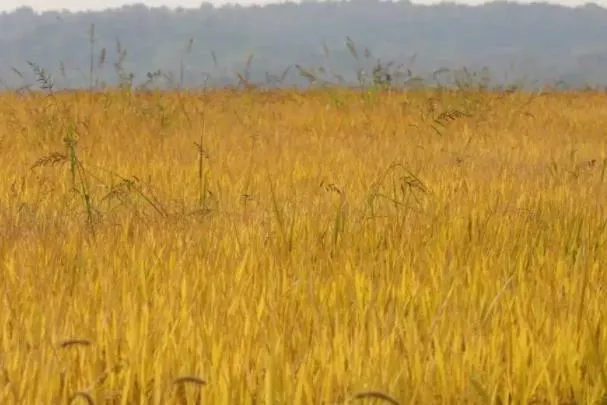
(9, 5)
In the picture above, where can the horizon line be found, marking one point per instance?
(38, 10)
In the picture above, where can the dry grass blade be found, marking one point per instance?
(245, 82)
(442, 308)
(74, 342)
(306, 74)
(189, 379)
(44, 79)
(352, 47)
(496, 299)
(376, 395)
(180, 383)
(51, 159)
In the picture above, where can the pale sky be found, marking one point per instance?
(76, 5)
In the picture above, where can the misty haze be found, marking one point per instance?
(305, 43)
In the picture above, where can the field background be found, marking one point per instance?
(295, 247)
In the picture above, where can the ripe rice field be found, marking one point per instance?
(303, 247)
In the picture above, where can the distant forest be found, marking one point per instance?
(305, 43)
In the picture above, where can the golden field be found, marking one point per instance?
(320, 247)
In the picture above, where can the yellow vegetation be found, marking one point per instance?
(318, 247)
